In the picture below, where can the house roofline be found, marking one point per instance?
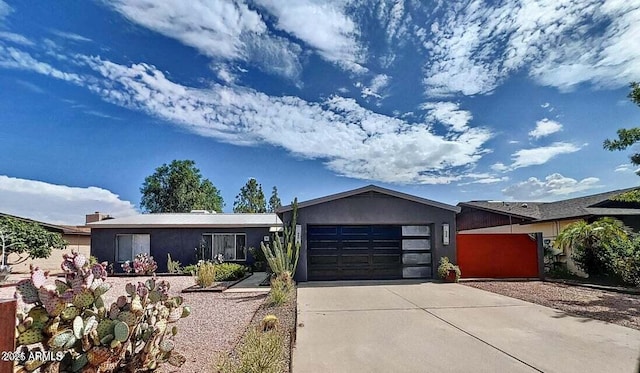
(370, 188)
(501, 212)
(63, 229)
(186, 225)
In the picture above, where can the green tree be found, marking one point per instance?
(250, 199)
(27, 239)
(179, 187)
(274, 201)
(592, 243)
(627, 137)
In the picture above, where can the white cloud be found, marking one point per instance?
(499, 166)
(15, 38)
(559, 43)
(485, 179)
(545, 105)
(5, 9)
(58, 204)
(623, 167)
(224, 73)
(221, 29)
(324, 26)
(541, 155)
(377, 85)
(449, 114)
(351, 140)
(30, 86)
(70, 36)
(552, 186)
(545, 127)
(16, 59)
(627, 167)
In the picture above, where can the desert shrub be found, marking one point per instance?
(173, 266)
(445, 266)
(143, 264)
(281, 291)
(560, 270)
(259, 259)
(69, 320)
(282, 255)
(259, 352)
(230, 271)
(205, 274)
(93, 260)
(190, 269)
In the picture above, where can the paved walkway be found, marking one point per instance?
(250, 284)
(434, 327)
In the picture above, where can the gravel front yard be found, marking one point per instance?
(621, 309)
(216, 323)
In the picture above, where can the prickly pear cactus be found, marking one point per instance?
(70, 318)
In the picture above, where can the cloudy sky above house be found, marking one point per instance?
(452, 101)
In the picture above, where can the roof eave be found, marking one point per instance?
(132, 226)
(488, 209)
(370, 188)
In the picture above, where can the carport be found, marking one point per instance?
(372, 233)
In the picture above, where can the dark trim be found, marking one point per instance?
(370, 188)
(540, 250)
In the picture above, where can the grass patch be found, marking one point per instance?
(230, 271)
(255, 351)
(260, 352)
(281, 291)
(205, 275)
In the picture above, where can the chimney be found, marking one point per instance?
(96, 216)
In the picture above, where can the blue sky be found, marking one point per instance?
(454, 102)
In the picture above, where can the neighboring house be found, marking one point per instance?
(78, 240)
(372, 233)
(182, 235)
(550, 218)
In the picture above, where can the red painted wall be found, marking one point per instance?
(497, 255)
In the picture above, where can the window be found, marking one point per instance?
(130, 245)
(232, 246)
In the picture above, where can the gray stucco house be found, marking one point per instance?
(372, 233)
(119, 240)
(365, 233)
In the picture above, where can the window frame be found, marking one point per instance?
(235, 245)
(117, 251)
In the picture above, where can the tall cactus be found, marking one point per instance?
(70, 318)
(283, 255)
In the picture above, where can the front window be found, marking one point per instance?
(232, 246)
(130, 245)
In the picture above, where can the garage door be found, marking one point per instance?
(354, 252)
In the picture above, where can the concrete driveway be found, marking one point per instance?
(434, 327)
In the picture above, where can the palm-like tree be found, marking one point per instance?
(585, 240)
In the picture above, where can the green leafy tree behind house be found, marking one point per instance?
(627, 137)
(250, 199)
(179, 187)
(274, 200)
(27, 239)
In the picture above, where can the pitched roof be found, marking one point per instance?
(563, 209)
(371, 188)
(190, 220)
(64, 229)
